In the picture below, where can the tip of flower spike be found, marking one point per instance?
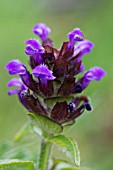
(42, 31)
(74, 36)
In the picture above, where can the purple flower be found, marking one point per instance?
(94, 74)
(22, 92)
(42, 31)
(18, 83)
(16, 67)
(34, 49)
(74, 36)
(82, 48)
(20, 89)
(53, 85)
(44, 74)
(82, 67)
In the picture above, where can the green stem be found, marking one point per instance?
(44, 155)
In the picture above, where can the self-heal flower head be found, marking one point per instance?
(52, 87)
(43, 72)
(16, 67)
(74, 36)
(42, 31)
(94, 74)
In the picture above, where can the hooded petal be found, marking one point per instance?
(74, 36)
(82, 48)
(42, 71)
(44, 74)
(33, 47)
(15, 82)
(94, 74)
(42, 31)
(18, 83)
(16, 67)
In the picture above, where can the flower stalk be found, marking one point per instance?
(44, 155)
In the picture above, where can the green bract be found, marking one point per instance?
(45, 126)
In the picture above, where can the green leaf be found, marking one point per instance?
(17, 163)
(63, 165)
(70, 168)
(59, 164)
(68, 146)
(44, 125)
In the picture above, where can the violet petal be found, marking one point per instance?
(82, 48)
(33, 47)
(16, 67)
(94, 74)
(43, 72)
(74, 36)
(18, 83)
(42, 31)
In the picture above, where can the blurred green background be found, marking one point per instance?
(93, 131)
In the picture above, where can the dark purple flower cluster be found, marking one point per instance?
(52, 87)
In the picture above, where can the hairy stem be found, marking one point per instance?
(44, 155)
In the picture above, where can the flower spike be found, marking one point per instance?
(52, 87)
